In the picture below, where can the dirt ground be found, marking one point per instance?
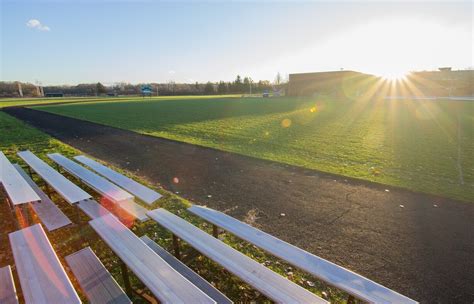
(420, 245)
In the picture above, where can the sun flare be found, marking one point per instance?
(394, 75)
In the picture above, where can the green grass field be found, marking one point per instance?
(12, 102)
(419, 145)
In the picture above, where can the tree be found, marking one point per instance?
(209, 89)
(238, 80)
(171, 87)
(237, 86)
(101, 89)
(222, 88)
(278, 79)
(264, 84)
(248, 84)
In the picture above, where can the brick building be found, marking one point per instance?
(327, 83)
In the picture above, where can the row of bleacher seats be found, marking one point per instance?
(43, 278)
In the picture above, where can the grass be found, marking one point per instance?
(13, 102)
(16, 136)
(424, 146)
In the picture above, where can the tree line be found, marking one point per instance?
(240, 85)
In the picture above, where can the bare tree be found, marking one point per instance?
(278, 79)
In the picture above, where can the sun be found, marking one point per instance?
(394, 75)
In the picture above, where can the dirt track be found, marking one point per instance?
(421, 250)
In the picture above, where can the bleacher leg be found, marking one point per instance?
(215, 231)
(30, 172)
(177, 253)
(78, 222)
(9, 202)
(12, 212)
(48, 189)
(21, 211)
(138, 228)
(126, 279)
(16, 216)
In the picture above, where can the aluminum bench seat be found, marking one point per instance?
(42, 277)
(94, 279)
(104, 187)
(69, 191)
(18, 190)
(187, 272)
(135, 210)
(92, 208)
(50, 215)
(144, 193)
(7, 286)
(340, 277)
(64, 187)
(96, 182)
(273, 285)
(168, 285)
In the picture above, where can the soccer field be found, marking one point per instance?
(14, 102)
(425, 146)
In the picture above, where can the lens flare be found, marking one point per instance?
(286, 123)
(394, 75)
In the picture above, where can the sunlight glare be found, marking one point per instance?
(393, 75)
(389, 47)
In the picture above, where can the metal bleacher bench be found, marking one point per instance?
(187, 272)
(70, 192)
(273, 285)
(97, 283)
(17, 189)
(51, 216)
(145, 194)
(168, 285)
(42, 277)
(352, 283)
(7, 287)
(92, 208)
(110, 191)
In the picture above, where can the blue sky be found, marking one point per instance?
(69, 42)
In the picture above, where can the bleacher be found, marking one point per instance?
(352, 283)
(108, 190)
(43, 278)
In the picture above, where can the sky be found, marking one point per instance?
(70, 42)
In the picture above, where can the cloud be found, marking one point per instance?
(36, 24)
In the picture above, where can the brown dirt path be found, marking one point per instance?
(421, 250)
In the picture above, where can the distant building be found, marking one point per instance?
(53, 95)
(443, 83)
(326, 83)
(445, 69)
